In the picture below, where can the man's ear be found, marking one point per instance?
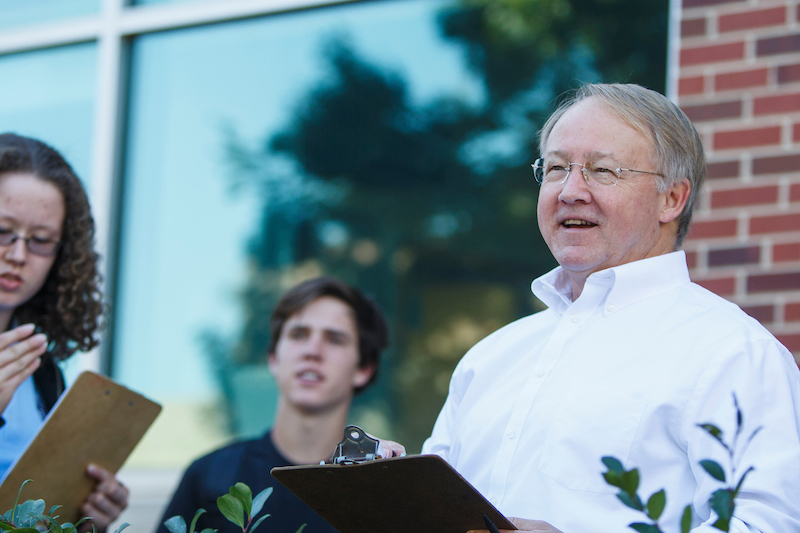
(675, 198)
(362, 375)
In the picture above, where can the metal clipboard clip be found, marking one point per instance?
(355, 447)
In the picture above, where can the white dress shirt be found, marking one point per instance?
(628, 370)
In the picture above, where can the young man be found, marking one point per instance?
(326, 340)
(630, 356)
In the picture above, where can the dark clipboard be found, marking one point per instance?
(397, 495)
(95, 421)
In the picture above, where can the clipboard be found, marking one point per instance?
(395, 495)
(95, 421)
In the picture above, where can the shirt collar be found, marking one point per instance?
(626, 283)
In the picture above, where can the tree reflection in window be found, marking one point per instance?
(430, 208)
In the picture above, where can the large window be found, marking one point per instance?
(235, 147)
(49, 94)
(16, 13)
(387, 143)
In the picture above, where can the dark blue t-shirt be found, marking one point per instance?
(247, 461)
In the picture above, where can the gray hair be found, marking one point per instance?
(678, 148)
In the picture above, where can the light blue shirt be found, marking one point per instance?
(23, 418)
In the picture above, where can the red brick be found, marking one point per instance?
(776, 104)
(734, 256)
(721, 110)
(778, 45)
(741, 79)
(752, 19)
(710, 229)
(723, 169)
(691, 259)
(712, 53)
(763, 313)
(698, 3)
(694, 85)
(720, 286)
(790, 340)
(776, 164)
(693, 27)
(774, 224)
(744, 196)
(794, 192)
(791, 312)
(788, 73)
(786, 252)
(724, 140)
(773, 282)
(796, 133)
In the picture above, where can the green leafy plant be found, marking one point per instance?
(238, 506)
(722, 501)
(29, 517)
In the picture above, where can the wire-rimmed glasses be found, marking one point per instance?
(35, 245)
(557, 172)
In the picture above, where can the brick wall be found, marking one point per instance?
(739, 82)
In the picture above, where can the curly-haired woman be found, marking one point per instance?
(50, 300)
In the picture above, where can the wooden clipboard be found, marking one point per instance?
(398, 495)
(95, 421)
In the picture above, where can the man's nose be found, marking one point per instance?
(575, 187)
(313, 348)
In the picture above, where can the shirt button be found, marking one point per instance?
(493, 501)
(511, 434)
(610, 308)
(576, 318)
(540, 373)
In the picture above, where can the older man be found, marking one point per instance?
(630, 355)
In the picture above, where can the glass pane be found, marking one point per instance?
(388, 143)
(15, 13)
(50, 95)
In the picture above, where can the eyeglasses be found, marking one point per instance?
(557, 172)
(35, 245)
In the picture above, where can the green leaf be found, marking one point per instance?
(613, 464)
(714, 469)
(739, 418)
(29, 513)
(715, 432)
(197, 515)
(613, 478)
(123, 526)
(255, 525)
(630, 481)
(209, 530)
(722, 524)
(655, 505)
(243, 493)
(19, 493)
(631, 501)
(176, 524)
(741, 481)
(686, 519)
(641, 527)
(722, 503)
(232, 509)
(300, 529)
(259, 500)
